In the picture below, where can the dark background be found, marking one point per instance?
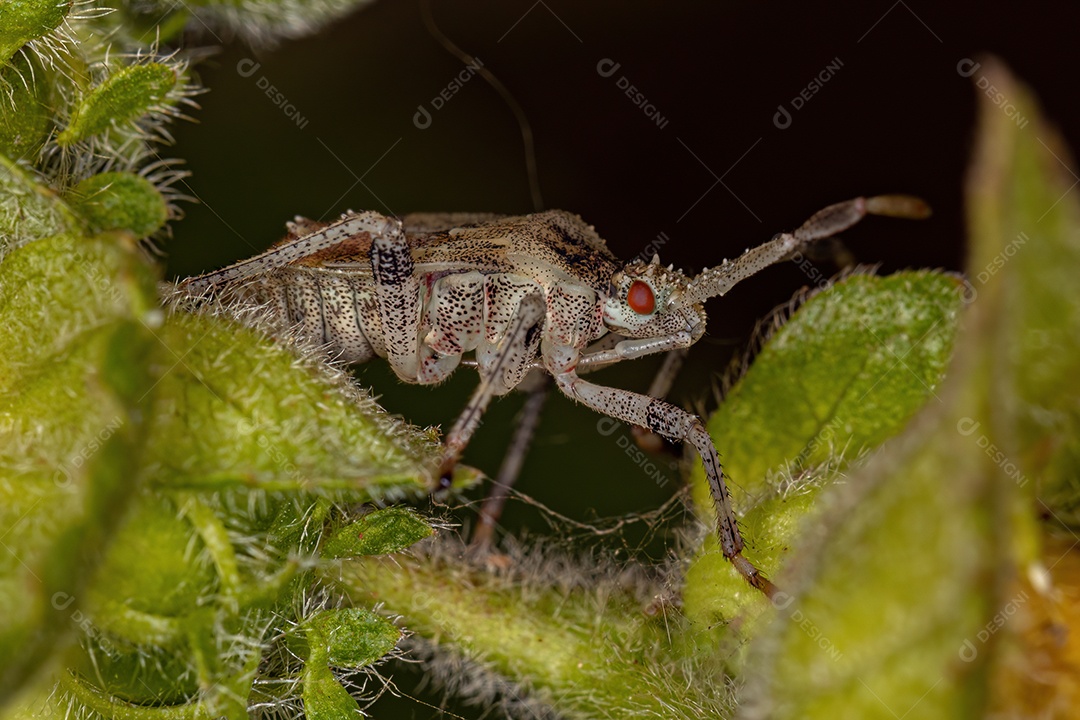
(720, 176)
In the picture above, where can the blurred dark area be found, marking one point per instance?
(701, 156)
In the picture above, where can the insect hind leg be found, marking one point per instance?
(293, 250)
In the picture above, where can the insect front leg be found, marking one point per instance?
(674, 423)
(676, 347)
(659, 388)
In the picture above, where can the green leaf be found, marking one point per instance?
(346, 638)
(100, 388)
(120, 201)
(573, 632)
(920, 592)
(350, 637)
(221, 691)
(127, 94)
(24, 20)
(26, 112)
(1024, 217)
(74, 378)
(324, 697)
(847, 371)
(28, 209)
(377, 533)
(235, 410)
(153, 575)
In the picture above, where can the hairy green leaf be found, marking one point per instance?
(120, 201)
(126, 95)
(324, 697)
(1024, 220)
(914, 593)
(847, 371)
(26, 115)
(575, 636)
(74, 379)
(377, 533)
(234, 410)
(28, 209)
(351, 637)
(26, 20)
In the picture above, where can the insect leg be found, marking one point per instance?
(397, 289)
(607, 342)
(285, 253)
(524, 429)
(661, 385)
(511, 356)
(596, 357)
(452, 324)
(672, 422)
(669, 370)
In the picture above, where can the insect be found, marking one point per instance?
(532, 292)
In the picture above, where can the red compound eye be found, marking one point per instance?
(640, 298)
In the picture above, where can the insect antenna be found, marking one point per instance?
(823, 224)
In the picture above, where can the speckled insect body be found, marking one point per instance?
(539, 291)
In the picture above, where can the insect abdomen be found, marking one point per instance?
(329, 307)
